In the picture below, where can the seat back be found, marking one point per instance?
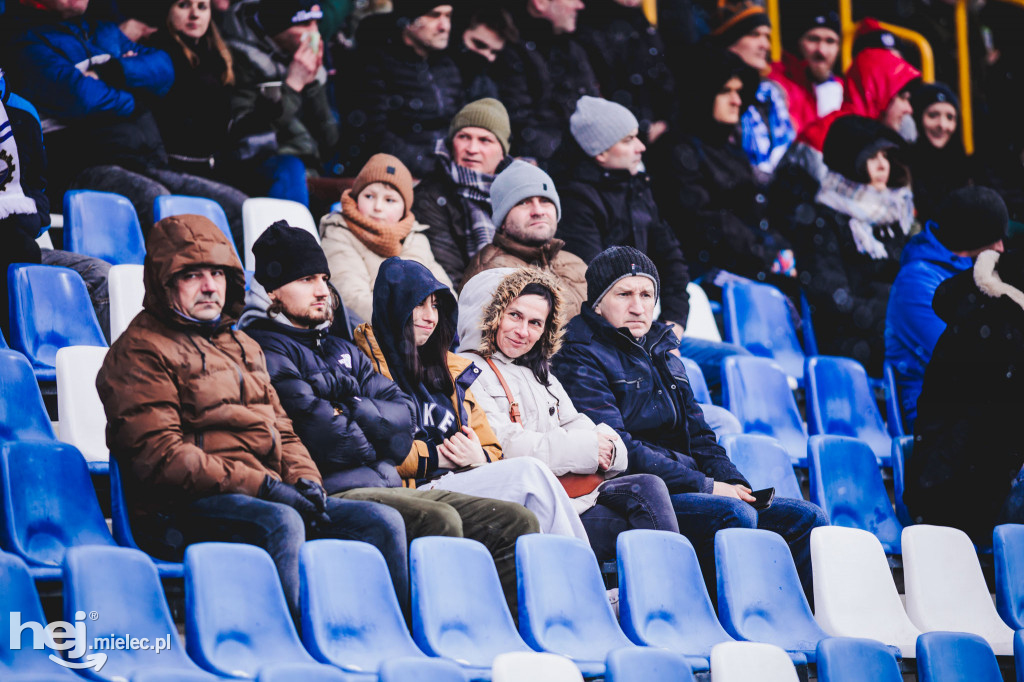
(745, 661)
(103, 225)
(132, 604)
(170, 675)
(1008, 548)
(700, 323)
(893, 411)
(763, 462)
(127, 289)
(350, 613)
(956, 657)
(465, 619)
(82, 420)
(307, 672)
(841, 403)
(50, 309)
(259, 213)
(807, 324)
(49, 503)
(849, 659)
(698, 384)
(647, 665)
(536, 667)
(757, 317)
(757, 392)
(168, 205)
(901, 449)
(847, 483)
(22, 412)
(421, 669)
(236, 617)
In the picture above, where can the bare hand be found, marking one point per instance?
(91, 74)
(740, 492)
(656, 130)
(463, 449)
(605, 451)
(136, 30)
(305, 64)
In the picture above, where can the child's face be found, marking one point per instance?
(878, 171)
(381, 202)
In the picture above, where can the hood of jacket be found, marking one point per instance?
(874, 78)
(977, 297)
(703, 85)
(182, 242)
(926, 247)
(485, 298)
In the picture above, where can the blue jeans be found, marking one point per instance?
(710, 355)
(280, 530)
(635, 501)
(701, 516)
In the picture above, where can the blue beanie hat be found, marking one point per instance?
(520, 181)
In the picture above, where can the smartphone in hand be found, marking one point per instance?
(763, 498)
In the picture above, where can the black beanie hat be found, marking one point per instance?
(928, 94)
(412, 9)
(852, 140)
(970, 218)
(280, 15)
(735, 19)
(616, 263)
(285, 254)
(803, 19)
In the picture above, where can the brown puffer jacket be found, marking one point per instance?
(190, 408)
(571, 271)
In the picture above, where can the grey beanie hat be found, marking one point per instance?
(597, 124)
(615, 263)
(520, 181)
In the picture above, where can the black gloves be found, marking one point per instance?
(306, 497)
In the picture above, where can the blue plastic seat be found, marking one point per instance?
(901, 449)
(160, 675)
(350, 613)
(759, 594)
(22, 411)
(307, 672)
(763, 462)
(1018, 654)
(847, 483)
(647, 665)
(458, 608)
(421, 670)
(1008, 548)
(50, 309)
(698, 384)
(955, 657)
(852, 659)
(49, 504)
(840, 403)
(18, 595)
(168, 205)
(757, 317)
(103, 225)
(757, 392)
(3, 342)
(810, 339)
(893, 411)
(236, 617)
(121, 527)
(122, 588)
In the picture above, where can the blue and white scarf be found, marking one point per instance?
(12, 196)
(766, 142)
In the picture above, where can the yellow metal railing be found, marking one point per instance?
(919, 41)
(651, 10)
(773, 16)
(963, 57)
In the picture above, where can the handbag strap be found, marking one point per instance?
(513, 405)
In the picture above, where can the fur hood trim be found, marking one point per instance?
(990, 283)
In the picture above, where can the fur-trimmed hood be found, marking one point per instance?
(484, 300)
(996, 281)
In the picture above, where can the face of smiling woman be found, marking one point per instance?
(522, 325)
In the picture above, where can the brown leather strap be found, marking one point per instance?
(513, 405)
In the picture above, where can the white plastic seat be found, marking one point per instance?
(260, 212)
(516, 666)
(82, 420)
(700, 324)
(854, 595)
(127, 290)
(746, 661)
(946, 589)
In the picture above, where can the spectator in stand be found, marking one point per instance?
(628, 57)
(374, 224)
(543, 75)
(743, 28)
(406, 90)
(527, 211)
(454, 200)
(971, 220)
(937, 161)
(279, 102)
(483, 32)
(99, 85)
(807, 70)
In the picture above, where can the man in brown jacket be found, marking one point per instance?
(526, 208)
(206, 451)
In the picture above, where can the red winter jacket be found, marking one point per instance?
(791, 74)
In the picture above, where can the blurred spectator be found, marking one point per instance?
(743, 28)
(279, 100)
(481, 36)
(405, 91)
(848, 243)
(375, 223)
(628, 57)
(543, 75)
(454, 200)
(808, 66)
(937, 161)
(971, 220)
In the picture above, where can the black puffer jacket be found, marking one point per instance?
(437, 204)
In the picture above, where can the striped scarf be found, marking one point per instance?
(12, 196)
(475, 190)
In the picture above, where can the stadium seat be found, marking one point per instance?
(1018, 654)
(519, 666)
(700, 323)
(178, 204)
(121, 527)
(757, 317)
(22, 412)
(747, 661)
(82, 420)
(464, 619)
(49, 504)
(901, 448)
(50, 309)
(1008, 549)
(847, 483)
(955, 657)
(236, 617)
(848, 659)
(759, 594)
(103, 225)
(127, 289)
(260, 213)
(763, 462)
(121, 586)
(893, 411)
(698, 384)
(756, 391)
(307, 672)
(350, 613)
(945, 588)
(3, 342)
(854, 593)
(420, 670)
(647, 665)
(840, 403)
(160, 675)
(810, 339)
